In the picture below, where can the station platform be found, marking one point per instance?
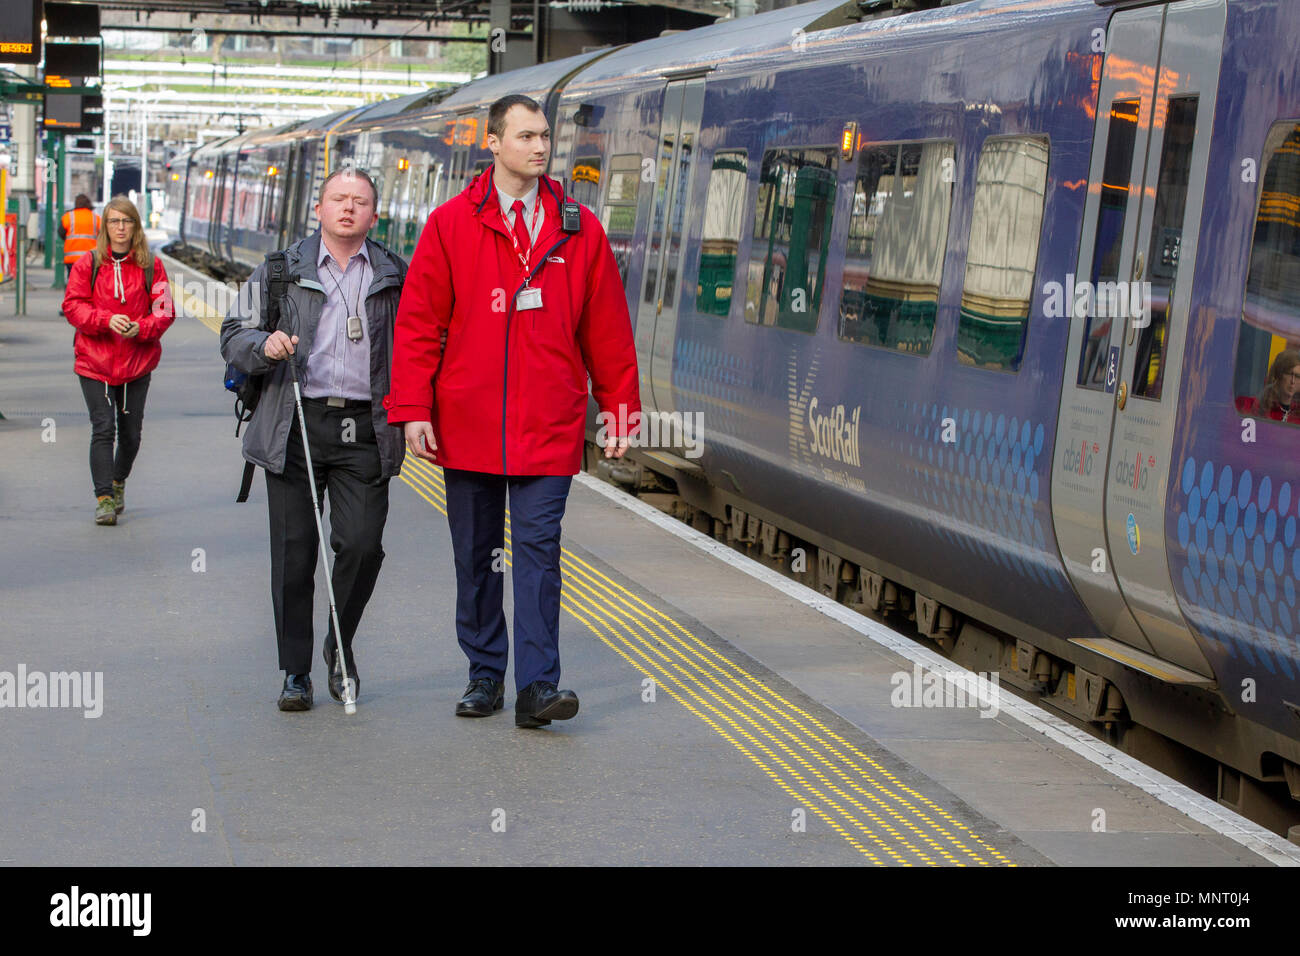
(729, 716)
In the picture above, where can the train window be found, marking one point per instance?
(1268, 351)
(618, 215)
(1115, 184)
(416, 206)
(401, 214)
(456, 178)
(1002, 256)
(389, 184)
(724, 215)
(585, 180)
(306, 201)
(792, 227)
(273, 189)
(897, 237)
(248, 195)
(1166, 238)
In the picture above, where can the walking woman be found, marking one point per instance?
(119, 303)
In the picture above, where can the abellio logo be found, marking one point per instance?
(1134, 474)
(1079, 461)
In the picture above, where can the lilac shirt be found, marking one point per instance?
(336, 365)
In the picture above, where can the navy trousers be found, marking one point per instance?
(476, 513)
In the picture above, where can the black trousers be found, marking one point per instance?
(346, 460)
(113, 408)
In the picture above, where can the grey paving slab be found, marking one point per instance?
(1139, 849)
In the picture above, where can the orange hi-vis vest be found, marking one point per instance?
(82, 227)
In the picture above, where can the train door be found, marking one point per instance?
(1129, 311)
(217, 212)
(184, 197)
(656, 324)
(288, 196)
(226, 243)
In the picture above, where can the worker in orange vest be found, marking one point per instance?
(79, 230)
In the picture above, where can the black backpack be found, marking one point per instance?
(248, 388)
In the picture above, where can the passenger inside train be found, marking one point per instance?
(1268, 351)
(1278, 399)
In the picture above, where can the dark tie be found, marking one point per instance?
(521, 228)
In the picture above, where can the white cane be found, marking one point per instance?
(349, 688)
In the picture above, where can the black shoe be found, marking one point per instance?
(482, 697)
(539, 703)
(297, 692)
(336, 672)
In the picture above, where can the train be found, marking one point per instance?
(967, 299)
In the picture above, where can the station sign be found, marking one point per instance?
(72, 59)
(71, 20)
(20, 32)
(63, 111)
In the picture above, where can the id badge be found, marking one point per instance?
(528, 298)
(354, 328)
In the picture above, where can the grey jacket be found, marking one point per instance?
(266, 436)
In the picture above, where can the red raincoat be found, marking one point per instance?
(101, 353)
(509, 394)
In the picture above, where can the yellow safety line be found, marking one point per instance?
(681, 654)
(196, 307)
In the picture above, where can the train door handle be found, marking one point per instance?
(1140, 269)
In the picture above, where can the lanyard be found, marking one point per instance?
(514, 240)
(356, 309)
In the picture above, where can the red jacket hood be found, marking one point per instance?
(481, 192)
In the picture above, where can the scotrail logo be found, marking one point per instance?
(82, 690)
(817, 428)
(833, 432)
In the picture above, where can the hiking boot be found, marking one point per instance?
(119, 497)
(104, 511)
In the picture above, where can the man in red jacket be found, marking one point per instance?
(507, 309)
